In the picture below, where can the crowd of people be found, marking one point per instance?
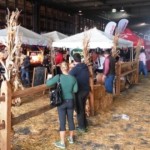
(76, 88)
(74, 79)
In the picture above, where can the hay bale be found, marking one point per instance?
(99, 92)
(106, 101)
(99, 78)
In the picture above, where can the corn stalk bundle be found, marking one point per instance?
(11, 59)
(87, 61)
(115, 44)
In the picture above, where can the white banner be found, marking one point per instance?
(122, 25)
(110, 27)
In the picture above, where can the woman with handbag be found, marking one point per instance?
(69, 87)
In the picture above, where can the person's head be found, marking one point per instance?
(77, 57)
(64, 67)
(107, 52)
(142, 50)
(99, 51)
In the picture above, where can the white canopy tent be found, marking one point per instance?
(55, 36)
(97, 39)
(27, 37)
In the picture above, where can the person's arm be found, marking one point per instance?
(52, 81)
(106, 66)
(72, 71)
(75, 88)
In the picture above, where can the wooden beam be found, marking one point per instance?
(29, 91)
(128, 72)
(30, 114)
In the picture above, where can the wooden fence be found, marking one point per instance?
(5, 111)
(6, 99)
(126, 69)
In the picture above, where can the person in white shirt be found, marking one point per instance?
(142, 63)
(100, 62)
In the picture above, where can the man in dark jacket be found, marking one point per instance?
(25, 68)
(81, 73)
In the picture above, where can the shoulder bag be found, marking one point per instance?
(56, 98)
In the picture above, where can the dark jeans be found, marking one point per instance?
(142, 68)
(80, 104)
(66, 110)
(99, 70)
(25, 76)
(109, 83)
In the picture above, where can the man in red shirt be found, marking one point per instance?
(58, 58)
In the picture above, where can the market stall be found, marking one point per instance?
(97, 38)
(54, 36)
(131, 36)
(26, 36)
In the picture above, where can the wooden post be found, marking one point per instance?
(137, 72)
(5, 132)
(91, 94)
(118, 72)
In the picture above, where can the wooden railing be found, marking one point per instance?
(6, 100)
(124, 69)
(5, 112)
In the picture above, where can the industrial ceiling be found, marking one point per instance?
(136, 11)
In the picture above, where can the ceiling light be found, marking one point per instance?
(114, 10)
(143, 24)
(122, 9)
(80, 11)
(80, 14)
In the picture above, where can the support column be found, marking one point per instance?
(36, 15)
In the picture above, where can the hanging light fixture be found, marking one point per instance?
(114, 10)
(122, 9)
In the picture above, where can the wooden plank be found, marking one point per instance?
(118, 71)
(30, 114)
(126, 64)
(29, 91)
(128, 72)
(91, 94)
(5, 134)
(137, 73)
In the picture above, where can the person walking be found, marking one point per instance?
(25, 71)
(142, 63)
(69, 87)
(81, 73)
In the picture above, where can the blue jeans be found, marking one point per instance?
(109, 83)
(66, 110)
(142, 68)
(25, 76)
